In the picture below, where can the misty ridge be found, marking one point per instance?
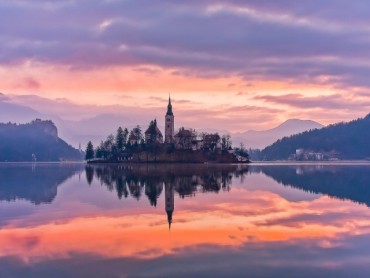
(106, 121)
(335, 142)
(341, 141)
(36, 141)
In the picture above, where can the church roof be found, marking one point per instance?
(211, 138)
(153, 129)
(184, 133)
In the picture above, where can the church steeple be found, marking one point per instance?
(169, 123)
(169, 107)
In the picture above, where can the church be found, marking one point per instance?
(185, 139)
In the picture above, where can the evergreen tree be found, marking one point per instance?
(120, 139)
(137, 134)
(125, 136)
(226, 143)
(108, 146)
(89, 151)
(99, 150)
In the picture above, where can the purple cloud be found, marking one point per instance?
(251, 39)
(331, 102)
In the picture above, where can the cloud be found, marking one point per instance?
(3, 97)
(28, 83)
(252, 39)
(332, 102)
(188, 113)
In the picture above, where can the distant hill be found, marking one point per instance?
(98, 127)
(261, 139)
(35, 141)
(10, 112)
(94, 129)
(345, 140)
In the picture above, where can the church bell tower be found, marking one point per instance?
(169, 124)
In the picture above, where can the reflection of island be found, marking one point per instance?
(36, 183)
(185, 180)
(342, 182)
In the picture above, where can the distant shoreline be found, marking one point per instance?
(334, 163)
(252, 163)
(41, 162)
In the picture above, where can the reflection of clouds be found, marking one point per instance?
(259, 217)
(254, 225)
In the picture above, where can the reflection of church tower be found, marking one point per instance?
(169, 124)
(169, 201)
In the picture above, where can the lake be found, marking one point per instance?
(73, 220)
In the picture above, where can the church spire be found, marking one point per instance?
(170, 123)
(169, 106)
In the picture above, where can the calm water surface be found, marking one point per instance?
(184, 221)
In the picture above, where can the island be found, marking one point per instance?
(184, 146)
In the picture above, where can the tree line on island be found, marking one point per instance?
(125, 143)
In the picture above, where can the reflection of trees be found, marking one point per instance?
(135, 188)
(37, 183)
(187, 180)
(153, 190)
(121, 187)
(342, 182)
(89, 174)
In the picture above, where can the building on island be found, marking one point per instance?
(184, 139)
(184, 146)
(134, 139)
(153, 135)
(211, 142)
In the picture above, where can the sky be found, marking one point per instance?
(233, 65)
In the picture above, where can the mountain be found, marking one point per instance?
(340, 141)
(97, 128)
(10, 112)
(74, 132)
(260, 139)
(35, 141)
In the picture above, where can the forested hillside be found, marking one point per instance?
(345, 140)
(35, 141)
